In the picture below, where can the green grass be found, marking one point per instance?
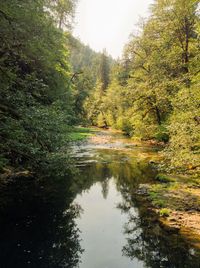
(80, 133)
(156, 195)
(165, 212)
(164, 179)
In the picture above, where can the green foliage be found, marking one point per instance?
(124, 124)
(156, 196)
(36, 93)
(154, 89)
(63, 11)
(94, 104)
(184, 128)
(104, 71)
(109, 119)
(151, 93)
(159, 203)
(162, 134)
(90, 70)
(80, 133)
(165, 212)
(164, 178)
(101, 120)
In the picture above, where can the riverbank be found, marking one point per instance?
(103, 213)
(80, 133)
(175, 199)
(177, 203)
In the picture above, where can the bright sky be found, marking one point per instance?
(108, 23)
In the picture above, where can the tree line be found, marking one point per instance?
(45, 75)
(50, 82)
(153, 91)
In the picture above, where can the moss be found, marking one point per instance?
(156, 196)
(194, 182)
(164, 179)
(80, 133)
(159, 203)
(165, 212)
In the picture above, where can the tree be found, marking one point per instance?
(85, 63)
(153, 89)
(94, 104)
(36, 92)
(104, 70)
(63, 11)
(184, 128)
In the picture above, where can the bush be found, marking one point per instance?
(110, 119)
(124, 124)
(165, 212)
(101, 122)
(158, 203)
(162, 134)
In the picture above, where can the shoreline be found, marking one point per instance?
(177, 206)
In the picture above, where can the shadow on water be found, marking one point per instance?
(38, 219)
(37, 225)
(146, 241)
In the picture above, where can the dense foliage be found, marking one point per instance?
(46, 75)
(36, 92)
(154, 91)
(85, 66)
(94, 104)
(51, 81)
(89, 68)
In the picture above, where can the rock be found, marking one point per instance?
(143, 189)
(172, 219)
(152, 162)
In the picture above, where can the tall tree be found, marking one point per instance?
(154, 95)
(36, 94)
(63, 11)
(104, 70)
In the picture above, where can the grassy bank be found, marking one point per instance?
(175, 193)
(81, 133)
(177, 202)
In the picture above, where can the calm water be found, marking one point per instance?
(95, 220)
(102, 235)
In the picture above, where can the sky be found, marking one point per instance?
(108, 23)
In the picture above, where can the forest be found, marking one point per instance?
(46, 75)
(50, 82)
(73, 119)
(153, 92)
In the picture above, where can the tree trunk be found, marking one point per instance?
(158, 116)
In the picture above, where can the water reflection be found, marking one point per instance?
(112, 164)
(37, 225)
(145, 241)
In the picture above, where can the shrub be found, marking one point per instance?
(164, 179)
(101, 122)
(165, 212)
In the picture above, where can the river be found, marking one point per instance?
(97, 220)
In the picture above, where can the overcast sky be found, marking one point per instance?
(108, 23)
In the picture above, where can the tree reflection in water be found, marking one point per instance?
(37, 225)
(147, 242)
